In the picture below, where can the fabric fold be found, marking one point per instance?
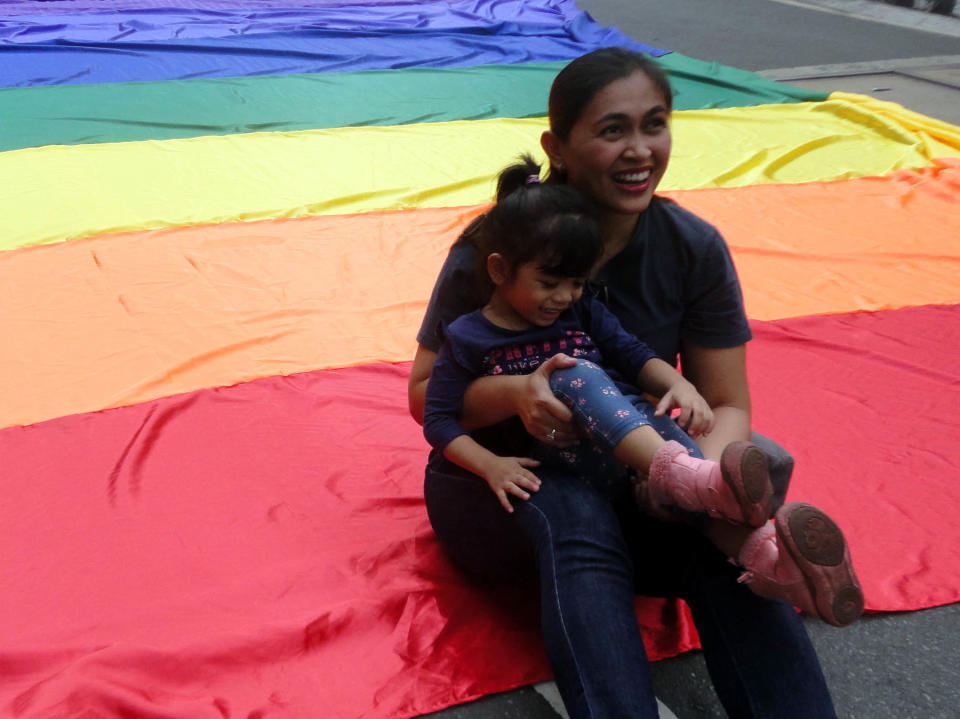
(355, 37)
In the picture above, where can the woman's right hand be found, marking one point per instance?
(545, 417)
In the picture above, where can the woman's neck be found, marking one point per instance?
(617, 231)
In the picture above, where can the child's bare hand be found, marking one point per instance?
(695, 416)
(509, 475)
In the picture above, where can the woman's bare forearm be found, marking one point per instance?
(731, 424)
(489, 400)
(720, 375)
(417, 384)
(493, 399)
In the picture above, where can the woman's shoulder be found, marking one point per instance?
(461, 258)
(665, 213)
(455, 293)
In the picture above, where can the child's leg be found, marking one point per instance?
(738, 489)
(610, 419)
(803, 558)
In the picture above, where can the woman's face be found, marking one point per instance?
(618, 149)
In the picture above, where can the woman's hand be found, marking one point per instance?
(544, 416)
(661, 379)
(509, 475)
(495, 398)
(695, 416)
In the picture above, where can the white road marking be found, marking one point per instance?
(887, 14)
(548, 690)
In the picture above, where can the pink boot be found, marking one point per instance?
(803, 558)
(737, 489)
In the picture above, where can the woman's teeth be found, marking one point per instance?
(632, 177)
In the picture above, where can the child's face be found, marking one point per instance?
(538, 297)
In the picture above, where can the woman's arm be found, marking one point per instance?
(494, 399)
(417, 383)
(486, 402)
(720, 375)
(660, 379)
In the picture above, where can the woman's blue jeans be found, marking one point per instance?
(592, 554)
(592, 551)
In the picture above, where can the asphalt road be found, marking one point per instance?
(892, 665)
(765, 34)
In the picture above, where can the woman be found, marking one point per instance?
(668, 277)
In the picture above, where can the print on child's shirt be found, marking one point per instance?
(525, 358)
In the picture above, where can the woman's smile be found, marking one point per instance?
(633, 180)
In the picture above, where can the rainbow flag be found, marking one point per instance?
(220, 223)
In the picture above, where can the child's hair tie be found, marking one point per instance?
(532, 180)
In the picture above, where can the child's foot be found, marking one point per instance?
(641, 493)
(803, 558)
(736, 489)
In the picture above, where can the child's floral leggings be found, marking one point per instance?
(607, 415)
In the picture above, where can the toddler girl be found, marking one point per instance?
(539, 246)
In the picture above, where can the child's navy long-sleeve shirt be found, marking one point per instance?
(474, 347)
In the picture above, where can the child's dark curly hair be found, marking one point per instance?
(538, 221)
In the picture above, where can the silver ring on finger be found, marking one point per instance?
(552, 434)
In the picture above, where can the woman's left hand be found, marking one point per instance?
(695, 417)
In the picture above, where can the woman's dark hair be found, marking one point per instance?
(536, 221)
(576, 85)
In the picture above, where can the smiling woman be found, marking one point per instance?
(670, 281)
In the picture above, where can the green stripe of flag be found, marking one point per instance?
(121, 112)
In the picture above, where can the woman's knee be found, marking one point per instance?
(780, 463)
